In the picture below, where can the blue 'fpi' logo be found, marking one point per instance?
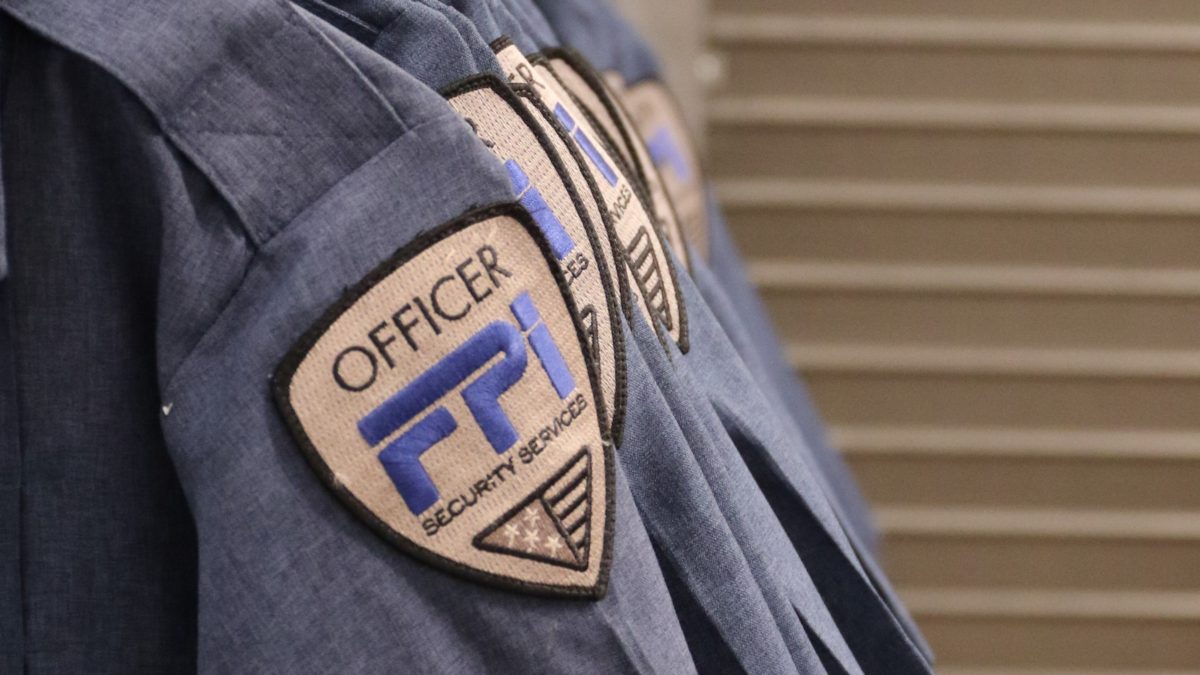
(401, 458)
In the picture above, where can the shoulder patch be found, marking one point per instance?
(542, 185)
(644, 247)
(448, 402)
(596, 97)
(660, 124)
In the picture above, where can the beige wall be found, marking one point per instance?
(977, 224)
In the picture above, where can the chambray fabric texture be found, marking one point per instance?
(797, 495)
(594, 29)
(491, 20)
(287, 579)
(176, 216)
(691, 529)
(99, 549)
(609, 42)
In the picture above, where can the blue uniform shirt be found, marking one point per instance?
(203, 206)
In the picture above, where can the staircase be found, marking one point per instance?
(977, 223)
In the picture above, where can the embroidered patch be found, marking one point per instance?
(660, 123)
(447, 400)
(588, 98)
(542, 185)
(588, 192)
(588, 88)
(643, 247)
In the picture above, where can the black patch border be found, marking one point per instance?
(616, 110)
(587, 73)
(621, 255)
(509, 96)
(281, 381)
(636, 179)
(528, 92)
(500, 43)
(701, 169)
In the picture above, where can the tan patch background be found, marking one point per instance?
(496, 121)
(661, 201)
(653, 108)
(329, 414)
(575, 175)
(634, 225)
(587, 97)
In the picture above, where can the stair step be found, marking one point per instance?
(968, 670)
(766, 112)
(1042, 200)
(1057, 628)
(963, 399)
(1078, 644)
(1041, 603)
(923, 554)
(1144, 10)
(788, 28)
(1052, 444)
(1043, 523)
(957, 58)
(983, 319)
(943, 141)
(1022, 280)
(906, 231)
(1003, 362)
(1037, 481)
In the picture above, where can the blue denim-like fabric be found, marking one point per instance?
(599, 32)
(732, 298)
(704, 563)
(603, 36)
(594, 29)
(533, 24)
(489, 16)
(12, 626)
(433, 622)
(606, 39)
(260, 169)
(97, 548)
(742, 297)
(414, 41)
(276, 575)
(763, 356)
(776, 458)
(5, 38)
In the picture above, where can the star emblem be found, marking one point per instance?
(511, 531)
(531, 539)
(531, 514)
(553, 544)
